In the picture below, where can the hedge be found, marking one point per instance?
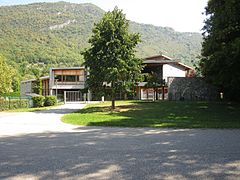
(38, 101)
(50, 101)
(13, 104)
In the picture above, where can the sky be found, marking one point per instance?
(181, 15)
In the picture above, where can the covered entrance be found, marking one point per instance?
(73, 96)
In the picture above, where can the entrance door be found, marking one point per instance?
(73, 96)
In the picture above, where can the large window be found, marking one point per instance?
(70, 78)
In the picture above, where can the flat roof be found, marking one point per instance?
(31, 80)
(66, 68)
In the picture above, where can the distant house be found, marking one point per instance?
(69, 84)
(165, 67)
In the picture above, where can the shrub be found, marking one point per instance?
(13, 104)
(38, 101)
(50, 101)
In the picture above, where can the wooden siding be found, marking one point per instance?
(45, 87)
(79, 72)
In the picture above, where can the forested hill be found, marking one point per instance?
(54, 34)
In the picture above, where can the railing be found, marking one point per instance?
(70, 83)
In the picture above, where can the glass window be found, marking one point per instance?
(58, 77)
(70, 78)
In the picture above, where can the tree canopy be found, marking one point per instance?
(220, 62)
(6, 76)
(111, 58)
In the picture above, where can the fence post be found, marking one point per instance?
(29, 101)
(9, 106)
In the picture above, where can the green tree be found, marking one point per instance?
(220, 62)
(6, 76)
(155, 81)
(37, 87)
(111, 58)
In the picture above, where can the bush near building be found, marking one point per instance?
(38, 101)
(50, 101)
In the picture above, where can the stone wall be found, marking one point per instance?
(191, 89)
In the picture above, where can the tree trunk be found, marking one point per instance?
(163, 97)
(113, 96)
(157, 94)
(113, 103)
(125, 96)
(154, 94)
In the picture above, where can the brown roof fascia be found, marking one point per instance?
(158, 56)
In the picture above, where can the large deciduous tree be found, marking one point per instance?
(220, 62)
(6, 76)
(111, 60)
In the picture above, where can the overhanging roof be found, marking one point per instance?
(32, 80)
(67, 68)
(162, 59)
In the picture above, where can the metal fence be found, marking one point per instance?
(7, 103)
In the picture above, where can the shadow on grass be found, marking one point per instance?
(167, 114)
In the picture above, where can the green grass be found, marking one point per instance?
(32, 109)
(158, 114)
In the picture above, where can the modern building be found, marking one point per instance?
(165, 67)
(68, 84)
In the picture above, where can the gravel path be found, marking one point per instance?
(73, 152)
(20, 123)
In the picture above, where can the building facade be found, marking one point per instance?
(165, 67)
(69, 84)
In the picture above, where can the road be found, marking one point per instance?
(55, 150)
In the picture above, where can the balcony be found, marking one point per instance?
(60, 83)
(69, 85)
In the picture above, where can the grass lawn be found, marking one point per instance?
(158, 114)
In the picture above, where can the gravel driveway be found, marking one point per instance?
(58, 151)
(36, 122)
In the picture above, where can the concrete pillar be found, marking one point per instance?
(89, 95)
(85, 97)
(65, 97)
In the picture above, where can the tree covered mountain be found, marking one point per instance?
(41, 35)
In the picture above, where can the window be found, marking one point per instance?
(70, 78)
(58, 78)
